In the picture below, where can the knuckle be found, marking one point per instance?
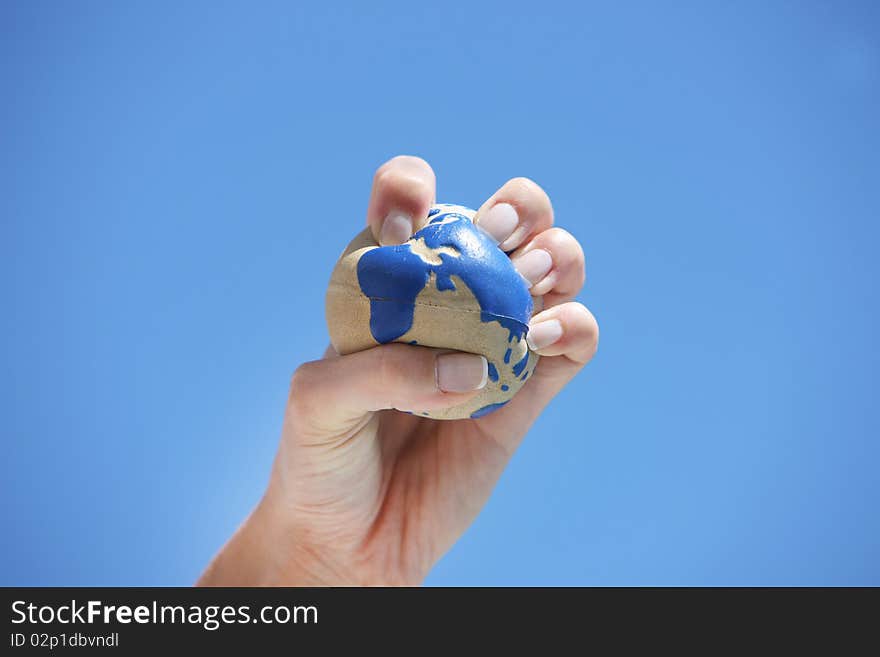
(388, 366)
(561, 237)
(580, 263)
(302, 386)
(529, 193)
(579, 316)
(384, 178)
(524, 186)
(567, 253)
(591, 330)
(413, 162)
(584, 332)
(404, 185)
(402, 369)
(563, 242)
(404, 167)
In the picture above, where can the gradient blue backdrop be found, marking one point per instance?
(177, 179)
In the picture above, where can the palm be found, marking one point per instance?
(407, 487)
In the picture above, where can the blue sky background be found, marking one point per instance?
(177, 179)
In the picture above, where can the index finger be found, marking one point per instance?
(403, 191)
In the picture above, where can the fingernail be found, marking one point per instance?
(499, 221)
(534, 265)
(461, 372)
(543, 334)
(396, 229)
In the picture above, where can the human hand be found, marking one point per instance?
(361, 493)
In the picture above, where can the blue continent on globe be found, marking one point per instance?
(392, 277)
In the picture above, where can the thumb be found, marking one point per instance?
(334, 394)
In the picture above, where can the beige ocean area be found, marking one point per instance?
(445, 319)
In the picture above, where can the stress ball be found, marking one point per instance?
(450, 287)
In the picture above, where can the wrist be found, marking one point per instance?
(273, 548)
(264, 551)
(289, 559)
